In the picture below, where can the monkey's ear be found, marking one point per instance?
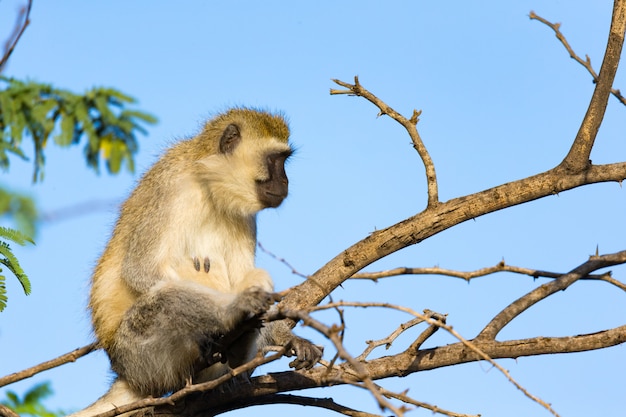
(230, 138)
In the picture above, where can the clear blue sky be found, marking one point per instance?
(501, 100)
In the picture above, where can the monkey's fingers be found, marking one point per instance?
(278, 296)
(307, 354)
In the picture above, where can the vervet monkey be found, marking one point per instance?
(177, 278)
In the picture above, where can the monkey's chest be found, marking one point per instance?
(221, 267)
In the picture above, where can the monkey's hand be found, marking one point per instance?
(253, 303)
(307, 354)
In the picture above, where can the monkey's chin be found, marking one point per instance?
(271, 200)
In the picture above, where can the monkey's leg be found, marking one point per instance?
(172, 330)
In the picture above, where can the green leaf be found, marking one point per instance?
(32, 403)
(15, 236)
(9, 260)
(136, 114)
(3, 292)
(102, 105)
(66, 135)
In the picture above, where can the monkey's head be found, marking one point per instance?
(244, 159)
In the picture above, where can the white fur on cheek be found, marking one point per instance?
(232, 178)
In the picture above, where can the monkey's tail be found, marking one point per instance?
(119, 394)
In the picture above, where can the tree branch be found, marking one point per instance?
(577, 159)
(325, 403)
(403, 397)
(7, 412)
(53, 363)
(585, 63)
(522, 304)
(469, 275)
(409, 124)
(24, 14)
(405, 363)
(437, 219)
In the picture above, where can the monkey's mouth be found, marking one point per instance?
(271, 192)
(271, 199)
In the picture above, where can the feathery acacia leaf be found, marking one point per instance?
(39, 111)
(8, 259)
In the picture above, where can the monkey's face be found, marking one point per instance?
(248, 173)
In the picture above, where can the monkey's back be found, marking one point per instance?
(142, 217)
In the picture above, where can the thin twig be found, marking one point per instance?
(453, 332)
(584, 62)
(426, 334)
(282, 260)
(53, 363)
(409, 124)
(577, 158)
(523, 303)
(23, 15)
(388, 341)
(405, 398)
(332, 333)
(469, 275)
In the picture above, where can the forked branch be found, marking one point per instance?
(522, 304)
(556, 27)
(409, 124)
(577, 159)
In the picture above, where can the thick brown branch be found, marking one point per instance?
(325, 403)
(53, 363)
(522, 304)
(407, 362)
(436, 219)
(7, 412)
(409, 124)
(404, 364)
(577, 159)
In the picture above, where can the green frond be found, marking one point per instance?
(15, 236)
(66, 135)
(8, 259)
(11, 262)
(3, 292)
(32, 402)
(136, 114)
(38, 393)
(20, 209)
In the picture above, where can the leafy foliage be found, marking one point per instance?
(41, 112)
(20, 208)
(10, 261)
(31, 404)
